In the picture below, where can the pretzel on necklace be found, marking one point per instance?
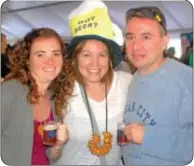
(94, 147)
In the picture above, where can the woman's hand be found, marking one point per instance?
(62, 133)
(62, 138)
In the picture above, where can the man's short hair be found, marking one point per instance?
(150, 12)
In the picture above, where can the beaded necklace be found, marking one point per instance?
(93, 143)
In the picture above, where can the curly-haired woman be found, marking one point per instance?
(32, 95)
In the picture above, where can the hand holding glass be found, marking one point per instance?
(121, 138)
(50, 133)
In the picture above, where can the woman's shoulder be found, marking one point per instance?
(11, 83)
(11, 86)
(123, 76)
(76, 88)
(76, 93)
(122, 80)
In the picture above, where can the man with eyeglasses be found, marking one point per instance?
(158, 114)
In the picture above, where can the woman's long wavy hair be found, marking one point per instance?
(61, 87)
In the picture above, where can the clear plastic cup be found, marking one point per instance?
(50, 133)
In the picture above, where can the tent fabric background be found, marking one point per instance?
(19, 17)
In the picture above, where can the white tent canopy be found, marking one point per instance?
(19, 17)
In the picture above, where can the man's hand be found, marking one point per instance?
(134, 132)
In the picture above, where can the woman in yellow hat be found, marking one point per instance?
(99, 91)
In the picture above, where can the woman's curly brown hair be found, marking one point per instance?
(61, 87)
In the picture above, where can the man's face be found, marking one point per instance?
(145, 44)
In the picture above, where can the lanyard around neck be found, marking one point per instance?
(90, 110)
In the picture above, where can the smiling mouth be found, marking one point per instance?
(49, 69)
(94, 71)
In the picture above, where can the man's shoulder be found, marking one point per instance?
(179, 69)
(181, 75)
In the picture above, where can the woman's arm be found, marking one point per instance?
(55, 152)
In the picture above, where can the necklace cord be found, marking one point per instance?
(89, 110)
(106, 107)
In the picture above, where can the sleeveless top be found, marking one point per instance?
(39, 149)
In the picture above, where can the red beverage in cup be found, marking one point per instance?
(50, 133)
(121, 138)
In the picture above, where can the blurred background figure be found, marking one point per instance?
(190, 55)
(187, 56)
(123, 65)
(4, 56)
(171, 52)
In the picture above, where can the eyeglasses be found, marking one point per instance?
(148, 12)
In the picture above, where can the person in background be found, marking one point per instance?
(99, 91)
(4, 56)
(32, 95)
(191, 59)
(158, 113)
(191, 55)
(171, 52)
(185, 57)
(123, 65)
(127, 66)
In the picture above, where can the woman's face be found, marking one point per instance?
(93, 61)
(45, 59)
